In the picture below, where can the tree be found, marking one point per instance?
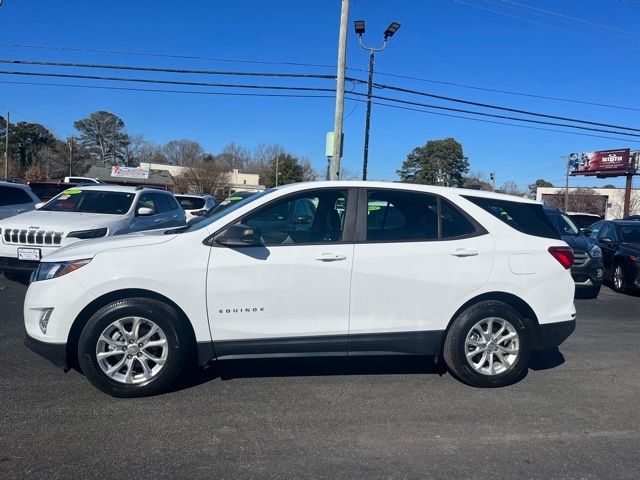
(438, 162)
(25, 141)
(533, 188)
(289, 171)
(580, 199)
(511, 188)
(207, 177)
(184, 153)
(102, 135)
(234, 156)
(608, 185)
(477, 181)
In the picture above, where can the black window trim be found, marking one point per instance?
(348, 231)
(361, 221)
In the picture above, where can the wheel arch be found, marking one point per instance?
(104, 300)
(517, 303)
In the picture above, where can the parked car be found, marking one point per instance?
(45, 191)
(620, 244)
(587, 270)
(81, 213)
(478, 278)
(632, 217)
(196, 205)
(224, 204)
(583, 220)
(83, 180)
(16, 198)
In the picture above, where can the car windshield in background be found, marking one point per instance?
(90, 201)
(190, 203)
(221, 210)
(583, 221)
(630, 233)
(562, 223)
(527, 218)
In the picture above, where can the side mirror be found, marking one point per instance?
(606, 241)
(145, 211)
(39, 205)
(237, 236)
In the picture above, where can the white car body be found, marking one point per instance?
(208, 202)
(41, 232)
(16, 198)
(350, 297)
(82, 180)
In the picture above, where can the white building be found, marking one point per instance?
(612, 200)
(236, 181)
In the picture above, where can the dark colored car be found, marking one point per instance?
(620, 244)
(583, 220)
(225, 203)
(45, 191)
(587, 269)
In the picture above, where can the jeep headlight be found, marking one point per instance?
(49, 270)
(595, 252)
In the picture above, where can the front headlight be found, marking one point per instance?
(84, 234)
(595, 252)
(49, 270)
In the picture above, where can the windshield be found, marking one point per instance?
(90, 201)
(217, 213)
(584, 221)
(630, 233)
(562, 223)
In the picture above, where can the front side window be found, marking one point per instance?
(595, 229)
(147, 200)
(161, 202)
(609, 231)
(90, 201)
(311, 217)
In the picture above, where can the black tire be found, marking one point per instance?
(19, 277)
(164, 316)
(622, 286)
(455, 350)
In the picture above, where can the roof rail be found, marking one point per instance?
(154, 187)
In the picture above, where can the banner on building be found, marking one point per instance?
(604, 163)
(129, 172)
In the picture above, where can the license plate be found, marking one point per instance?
(29, 254)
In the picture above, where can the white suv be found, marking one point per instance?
(82, 213)
(328, 268)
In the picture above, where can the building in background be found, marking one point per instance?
(133, 176)
(606, 202)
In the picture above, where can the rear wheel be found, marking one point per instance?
(133, 347)
(488, 345)
(618, 279)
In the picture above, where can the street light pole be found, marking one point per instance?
(389, 32)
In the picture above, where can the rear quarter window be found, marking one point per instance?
(527, 218)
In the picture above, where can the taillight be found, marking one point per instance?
(564, 255)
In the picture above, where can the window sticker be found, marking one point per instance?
(72, 191)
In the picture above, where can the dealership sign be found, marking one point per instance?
(602, 164)
(129, 172)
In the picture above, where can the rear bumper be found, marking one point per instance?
(590, 276)
(56, 353)
(10, 264)
(553, 334)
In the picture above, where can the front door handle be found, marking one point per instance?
(331, 257)
(464, 252)
(157, 220)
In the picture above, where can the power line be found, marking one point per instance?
(498, 107)
(568, 17)
(165, 70)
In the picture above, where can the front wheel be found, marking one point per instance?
(133, 347)
(488, 345)
(618, 279)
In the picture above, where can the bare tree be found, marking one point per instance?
(309, 174)
(207, 177)
(511, 188)
(235, 156)
(184, 153)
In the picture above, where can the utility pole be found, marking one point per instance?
(566, 183)
(492, 176)
(277, 166)
(360, 30)
(627, 196)
(6, 150)
(70, 153)
(342, 64)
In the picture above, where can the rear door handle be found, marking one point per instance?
(464, 252)
(331, 257)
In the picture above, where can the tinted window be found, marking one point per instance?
(162, 203)
(173, 203)
(90, 201)
(47, 192)
(527, 218)
(609, 231)
(312, 217)
(630, 233)
(147, 200)
(454, 223)
(13, 196)
(583, 221)
(595, 229)
(191, 203)
(562, 223)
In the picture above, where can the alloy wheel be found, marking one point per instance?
(491, 346)
(618, 277)
(132, 350)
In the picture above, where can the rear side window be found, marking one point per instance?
(527, 218)
(162, 203)
(191, 203)
(13, 196)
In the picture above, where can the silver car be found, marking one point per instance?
(16, 198)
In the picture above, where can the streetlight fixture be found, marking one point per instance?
(388, 33)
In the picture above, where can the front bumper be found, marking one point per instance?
(56, 353)
(588, 276)
(553, 334)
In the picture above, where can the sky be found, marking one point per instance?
(584, 50)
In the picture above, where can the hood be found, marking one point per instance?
(89, 248)
(59, 221)
(579, 242)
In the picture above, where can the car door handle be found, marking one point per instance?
(158, 220)
(331, 257)
(464, 252)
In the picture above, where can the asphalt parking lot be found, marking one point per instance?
(575, 415)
